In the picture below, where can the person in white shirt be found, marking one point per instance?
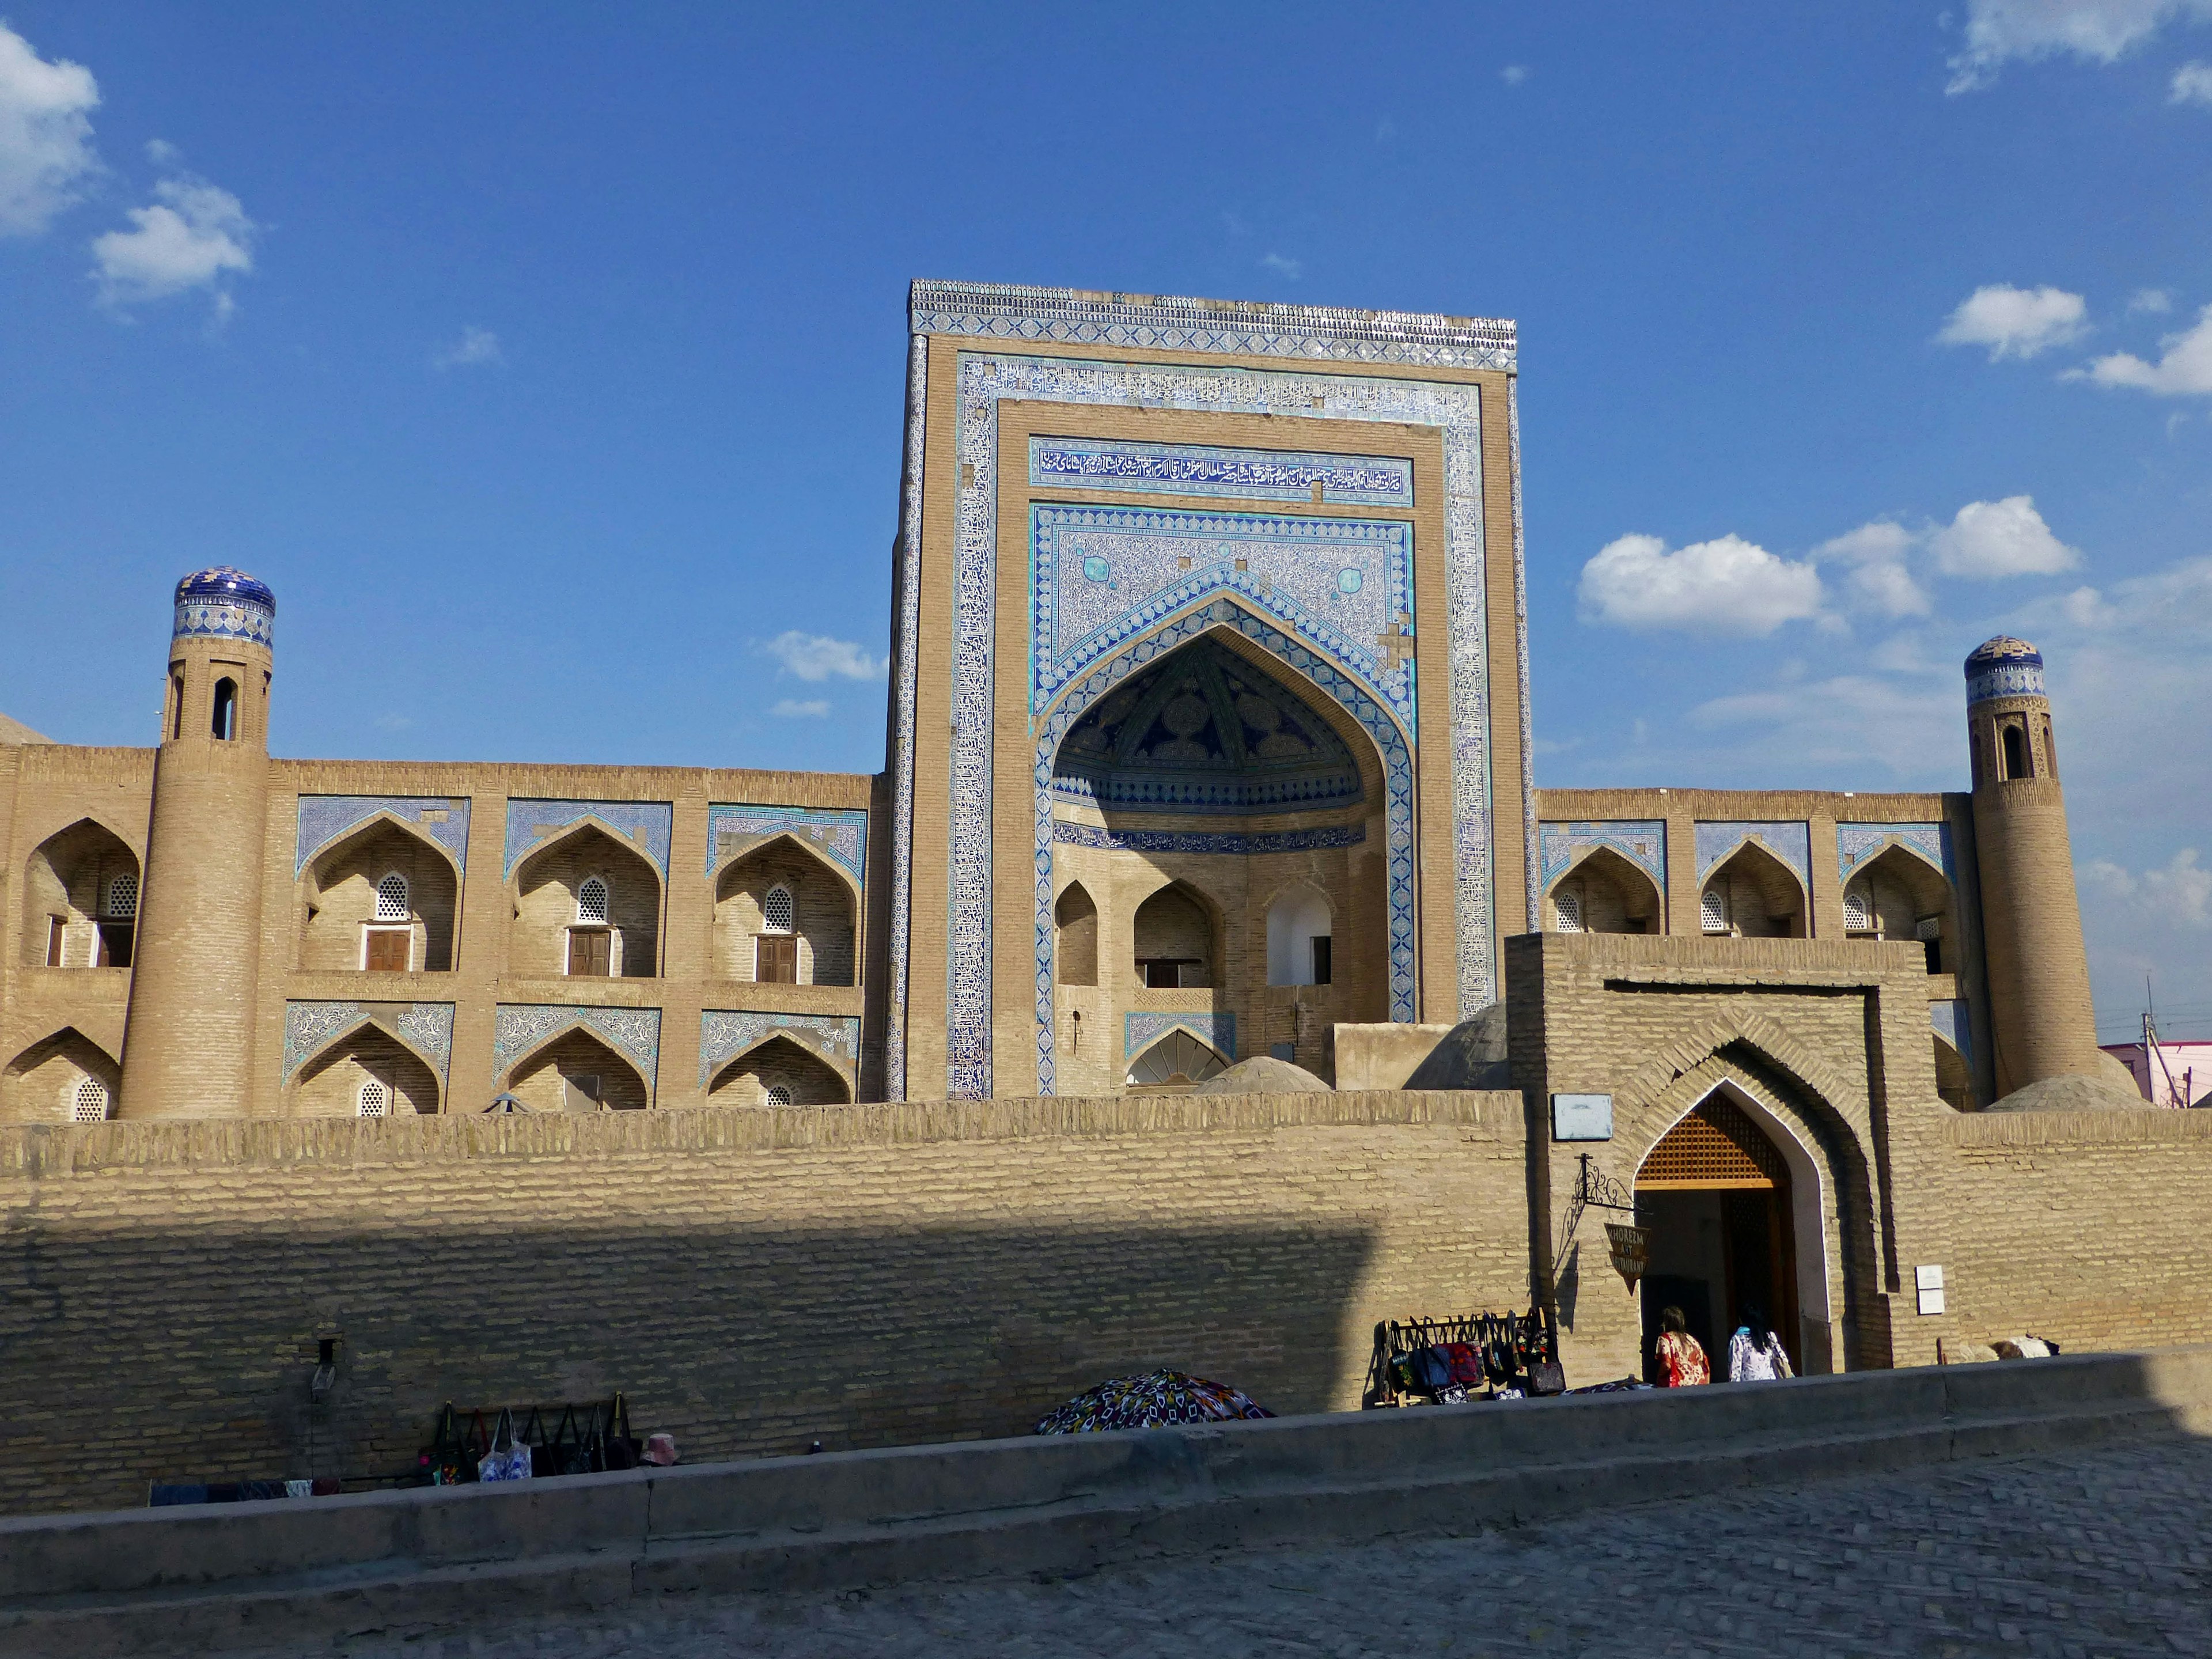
(1755, 1353)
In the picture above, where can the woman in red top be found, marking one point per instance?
(1682, 1361)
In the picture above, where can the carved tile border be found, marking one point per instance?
(724, 1034)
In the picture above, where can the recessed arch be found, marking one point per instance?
(1300, 947)
(778, 1062)
(1752, 894)
(1900, 895)
(1176, 935)
(339, 891)
(40, 1084)
(1954, 1079)
(1602, 892)
(69, 883)
(330, 1082)
(819, 944)
(572, 1071)
(547, 938)
(1075, 922)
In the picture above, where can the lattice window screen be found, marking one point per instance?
(776, 910)
(1858, 914)
(1716, 1145)
(374, 1099)
(123, 896)
(779, 1095)
(591, 899)
(1569, 905)
(88, 1102)
(1712, 911)
(392, 898)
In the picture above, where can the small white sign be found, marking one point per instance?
(1929, 1281)
(1582, 1117)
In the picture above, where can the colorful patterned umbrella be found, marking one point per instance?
(1151, 1401)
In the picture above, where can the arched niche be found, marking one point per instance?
(819, 946)
(1602, 892)
(1075, 924)
(1752, 894)
(778, 1064)
(1899, 895)
(575, 1071)
(1300, 949)
(1177, 1062)
(343, 928)
(45, 1082)
(329, 1084)
(1177, 939)
(80, 899)
(564, 926)
(1955, 1081)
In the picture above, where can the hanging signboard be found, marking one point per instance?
(1631, 1246)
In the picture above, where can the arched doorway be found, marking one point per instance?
(1177, 1063)
(1718, 1197)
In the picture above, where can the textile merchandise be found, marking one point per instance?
(1153, 1401)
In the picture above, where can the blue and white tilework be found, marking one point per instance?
(1397, 792)
(1535, 881)
(1199, 840)
(2003, 667)
(1643, 843)
(1101, 575)
(984, 382)
(1251, 475)
(724, 1034)
(220, 602)
(645, 824)
(908, 598)
(311, 1027)
(519, 1028)
(841, 837)
(1857, 842)
(1140, 1031)
(1791, 843)
(1173, 323)
(1950, 1023)
(326, 818)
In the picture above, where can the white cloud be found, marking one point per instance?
(790, 710)
(1291, 270)
(2192, 84)
(2150, 299)
(2183, 368)
(475, 345)
(815, 657)
(1840, 724)
(1514, 74)
(2182, 891)
(1727, 586)
(196, 235)
(1878, 580)
(2098, 31)
(2014, 322)
(46, 137)
(1990, 539)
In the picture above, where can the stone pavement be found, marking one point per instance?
(2103, 1552)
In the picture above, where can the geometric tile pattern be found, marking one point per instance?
(323, 819)
(311, 1027)
(1200, 841)
(1103, 574)
(225, 604)
(1791, 843)
(970, 1000)
(1857, 842)
(840, 836)
(724, 1034)
(518, 1027)
(1217, 1031)
(906, 626)
(645, 824)
(1251, 475)
(1535, 880)
(985, 380)
(1643, 843)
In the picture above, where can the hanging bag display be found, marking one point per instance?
(508, 1459)
(622, 1446)
(449, 1459)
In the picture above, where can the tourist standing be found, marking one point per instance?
(1682, 1361)
(1755, 1353)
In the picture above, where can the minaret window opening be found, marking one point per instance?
(2017, 763)
(2050, 751)
(88, 1102)
(176, 705)
(225, 721)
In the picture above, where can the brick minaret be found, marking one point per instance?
(187, 1045)
(2039, 974)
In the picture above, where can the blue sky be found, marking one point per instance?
(547, 361)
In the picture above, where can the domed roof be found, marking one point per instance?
(222, 582)
(2003, 649)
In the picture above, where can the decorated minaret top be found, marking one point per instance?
(2003, 667)
(221, 603)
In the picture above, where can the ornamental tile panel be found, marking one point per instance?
(1140, 1031)
(841, 837)
(1857, 842)
(647, 825)
(1250, 474)
(1643, 843)
(519, 1028)
(908, 598)
(1791, 843)
(724, 1034)
(324, 819)
(310, 1027)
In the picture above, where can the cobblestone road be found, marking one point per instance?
(2102, 1553)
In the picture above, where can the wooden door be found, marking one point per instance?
(388, 950)
(590, 951)
(55, 938)
(776, 960)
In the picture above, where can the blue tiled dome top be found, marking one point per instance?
(226, 604)
(2004, 667)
